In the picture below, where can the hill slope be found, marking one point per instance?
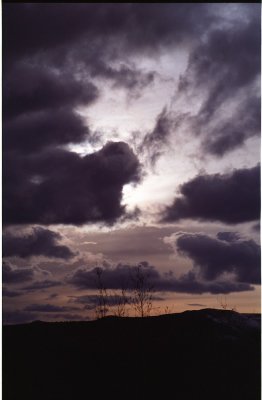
(206, 354)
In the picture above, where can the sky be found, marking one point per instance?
(131, 139)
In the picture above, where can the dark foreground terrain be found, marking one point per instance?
(206, 354)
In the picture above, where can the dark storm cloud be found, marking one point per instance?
(228, 60)
(154, 141)
(139, 26)
(38, 108)
(123, 276)
(43, 183)
(92, 38)
(50, 54)
(40, 242)
(51, 51)
(112, 278)
(230, 198)
(191, 284)
(47, 308)
(16, 275)
(32, 132)
(17, 317)
(215, 257)
(100, 38)
(32, 88)
(41, 285)
(228, 236)
(6, 292)
(124, 76)
(224, 64)
(228, 135)
(62, 187)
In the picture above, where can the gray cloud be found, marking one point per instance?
(125, 76)
(113, 278)
(122, 276)
(54, 68)
(40, 242)
(228, 236)
(222, 67)
(53, 127)
(95, 39)
(48, 308)
(61, 187)
(41, 285)
(6, 292)
(148, 27)
(230, 198)
(217, 256)
(155, 141)
(16, 275)
(34, 88)
(228, 135)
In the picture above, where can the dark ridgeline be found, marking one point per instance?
(206, 354)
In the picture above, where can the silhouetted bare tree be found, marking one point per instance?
(139, 296)
(102, 297)
(121, 302)
(142, 296)
(224, 304)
